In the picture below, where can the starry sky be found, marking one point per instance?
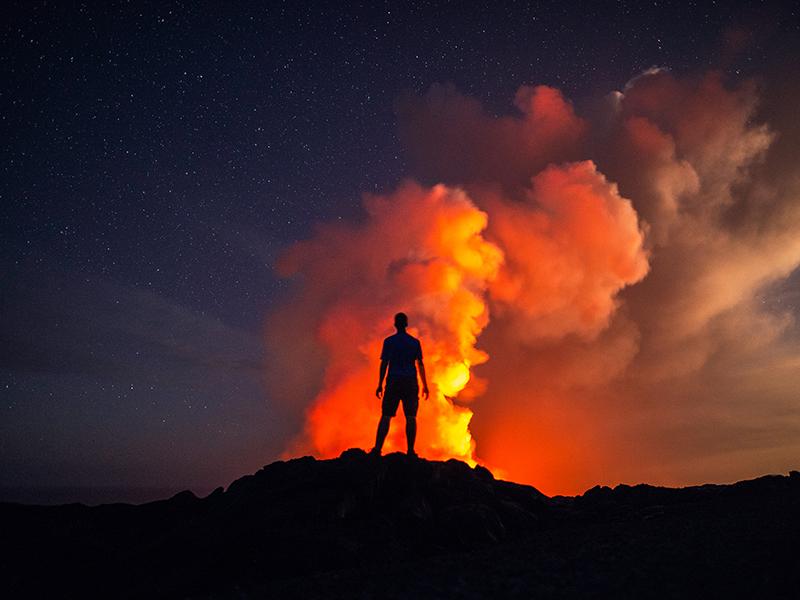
(157, 157)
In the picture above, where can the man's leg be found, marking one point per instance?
(380, 436)
(411, 433)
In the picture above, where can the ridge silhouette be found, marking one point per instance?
(398, 526)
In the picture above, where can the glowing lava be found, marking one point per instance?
(421, 252)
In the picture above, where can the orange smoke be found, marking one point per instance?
(609, 362)
(455, 141)
(420, 251)
(569, 248)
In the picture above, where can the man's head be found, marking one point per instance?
(400, 321)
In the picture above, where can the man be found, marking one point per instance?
(401, 355)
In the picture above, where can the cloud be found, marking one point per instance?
(107, 384)
(419, 250)
(453, 140)
(95, 326)
(622, 319)
(570, 247)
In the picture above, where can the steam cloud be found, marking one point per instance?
(610, 269)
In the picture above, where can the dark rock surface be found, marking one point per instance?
(394, 527)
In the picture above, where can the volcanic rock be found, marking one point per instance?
(395, 527)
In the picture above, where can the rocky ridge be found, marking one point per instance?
(392, 526)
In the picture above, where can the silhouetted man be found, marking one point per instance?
(401, 354)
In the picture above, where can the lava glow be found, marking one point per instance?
(559, 259)
(423, 252)
(620, 258)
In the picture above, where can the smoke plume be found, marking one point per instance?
(598, 298)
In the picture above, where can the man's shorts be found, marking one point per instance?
(399, 389)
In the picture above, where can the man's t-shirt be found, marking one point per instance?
(401, 350)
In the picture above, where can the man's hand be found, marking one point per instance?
(379, 392)
(425, 392)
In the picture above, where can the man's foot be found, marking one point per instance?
(374, 452)
(411, 454)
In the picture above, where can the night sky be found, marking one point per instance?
(157, 157)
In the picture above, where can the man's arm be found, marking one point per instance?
(381, 375)
(421, 367)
